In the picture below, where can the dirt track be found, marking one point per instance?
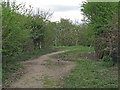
(42, 74)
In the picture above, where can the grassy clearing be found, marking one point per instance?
(88, 73)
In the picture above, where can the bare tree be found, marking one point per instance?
(46, 15)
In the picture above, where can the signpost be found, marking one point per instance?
(56, 34)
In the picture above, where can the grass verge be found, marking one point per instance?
(88, 73)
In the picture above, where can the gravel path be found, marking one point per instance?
(43, 72)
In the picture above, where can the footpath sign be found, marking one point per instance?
(57, 29)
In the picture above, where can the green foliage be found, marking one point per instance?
(99, 14)
(107, 61)
(102, 22)
(37, 26)
(71, 34)
(20, 29)
(13, 35)
(106, 58)
(50, 34)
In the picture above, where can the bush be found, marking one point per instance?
(107, 60)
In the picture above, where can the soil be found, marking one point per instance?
(43, 72)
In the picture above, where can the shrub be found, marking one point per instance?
(107, 60)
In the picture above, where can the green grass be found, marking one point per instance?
(47, 61)
(88, 73)
(74, 51)
(91, 74)
(83, 48)
(47, 83)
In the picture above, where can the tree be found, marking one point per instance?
(71, 34)
(13, 35)
(99, 15)
(39, 26)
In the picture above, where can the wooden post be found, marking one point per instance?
(58, 61)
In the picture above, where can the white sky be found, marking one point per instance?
(69, 9)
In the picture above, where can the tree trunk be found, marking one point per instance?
(8, 4)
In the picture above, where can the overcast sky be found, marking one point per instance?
(69, 9)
